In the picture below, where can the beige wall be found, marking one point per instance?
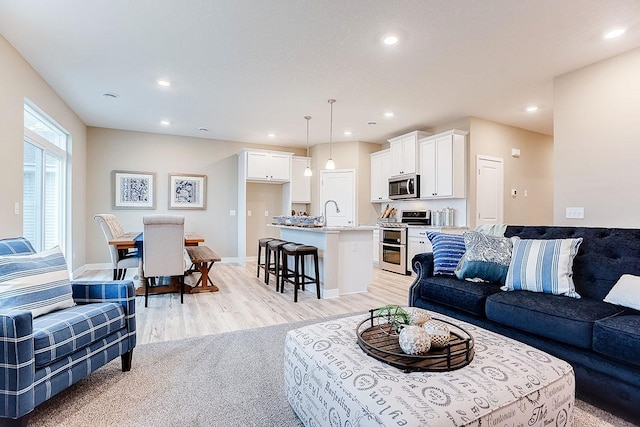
(597, 142)
(17, 82)
(111, 149)
(532, 172)
(261, 198)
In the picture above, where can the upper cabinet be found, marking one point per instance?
(300, 184)
(443, 165)
(380, 173)
(270, 166)
(404, 152)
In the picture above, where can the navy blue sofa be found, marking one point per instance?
(600, 340)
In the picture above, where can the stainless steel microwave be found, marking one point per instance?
(404, 187)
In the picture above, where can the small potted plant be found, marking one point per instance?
(395, 316)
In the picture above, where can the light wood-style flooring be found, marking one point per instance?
(245, 302)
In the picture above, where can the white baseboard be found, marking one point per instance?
(329, 294)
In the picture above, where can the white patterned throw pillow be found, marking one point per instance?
(36, 282)
(626, 292)
(543, 266)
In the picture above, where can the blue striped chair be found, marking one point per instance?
(42, 356)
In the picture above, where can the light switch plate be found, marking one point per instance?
(574, 213)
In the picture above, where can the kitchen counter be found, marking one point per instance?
(345, 256)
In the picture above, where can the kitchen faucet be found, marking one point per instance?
(324, 217)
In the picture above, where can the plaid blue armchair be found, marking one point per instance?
(39, 357)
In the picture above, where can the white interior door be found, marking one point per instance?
(340, 187)
(489, 190)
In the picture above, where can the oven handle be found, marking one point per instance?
(392, 245)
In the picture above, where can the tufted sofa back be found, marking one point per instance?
(604, 256)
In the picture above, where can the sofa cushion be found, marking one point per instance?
(486, 258)
(447, 251)
(460, 294)
(36, 282)
(557, 317)
(16, 245)
(62, 333)
(543, 266)
(618, 337)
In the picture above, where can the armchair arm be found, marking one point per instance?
(118, 291)
(422, 265)
(17, 363)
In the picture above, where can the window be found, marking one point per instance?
(44, 172)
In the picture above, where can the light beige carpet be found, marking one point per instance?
(230, 379)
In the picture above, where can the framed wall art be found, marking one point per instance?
(133, 190)
(187, 191)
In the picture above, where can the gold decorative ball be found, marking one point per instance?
(439, 338)
(418, 316)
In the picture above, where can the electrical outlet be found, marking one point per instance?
(16, 208)
(266, 213)
(574, 213)
(248, 213)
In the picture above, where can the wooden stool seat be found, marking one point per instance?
(262, 243)
(273, 246)
(300, 278)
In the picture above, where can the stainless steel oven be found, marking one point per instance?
(393, 249)
(393, 241)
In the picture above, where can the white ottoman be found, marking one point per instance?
(330, 381)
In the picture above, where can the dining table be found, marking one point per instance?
(134, 240)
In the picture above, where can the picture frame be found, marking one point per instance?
(187, 191)
(133, 190)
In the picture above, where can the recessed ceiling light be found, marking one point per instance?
(347, 132)
(272, 135)
(390, 39)
(164, 83)
(110, 95)
(388, 114)
(165, 122)
(614, 33)
(532, 108)
(203, 129)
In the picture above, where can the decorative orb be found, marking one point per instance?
(418, 316)
(414, 340)
(439, 338)
(438, 332)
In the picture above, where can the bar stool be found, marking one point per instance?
(262, 243)
(300, 278)
(273, 246)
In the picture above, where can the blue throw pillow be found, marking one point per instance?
(486, 258)
(36, 282)
(543, 266)
(447, 251)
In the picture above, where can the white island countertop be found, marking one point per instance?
(345, 256)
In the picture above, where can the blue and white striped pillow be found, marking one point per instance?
(447, 251)
(36, 282)
(543, 266)
(16, 245)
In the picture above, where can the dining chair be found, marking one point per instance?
(163, 250)
(121, 260)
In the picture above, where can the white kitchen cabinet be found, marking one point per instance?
(417, 243)
(268, 166)
(300, 184)
(443, 168)
(380, 173)
(404, 153)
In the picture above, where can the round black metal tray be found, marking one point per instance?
(376, 337)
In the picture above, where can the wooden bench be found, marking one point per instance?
(203, 258)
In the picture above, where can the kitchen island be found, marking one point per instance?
(345, 256)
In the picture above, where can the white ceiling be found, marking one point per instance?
(247, 68)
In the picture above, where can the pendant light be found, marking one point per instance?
(308, 171)
(330, 164)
